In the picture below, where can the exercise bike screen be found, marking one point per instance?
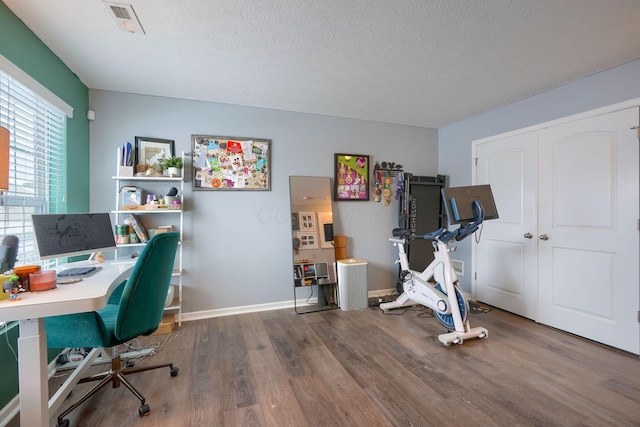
(60, 235)
(459, 203)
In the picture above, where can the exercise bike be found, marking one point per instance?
(437, 286)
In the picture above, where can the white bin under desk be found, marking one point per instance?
(352, 284)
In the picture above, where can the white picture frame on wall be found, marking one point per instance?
(308, 240)
(307, 221)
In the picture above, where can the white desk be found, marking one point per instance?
(90, 294)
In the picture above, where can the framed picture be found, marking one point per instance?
(295, 221)
(308, 240)
(151, 151)
(307, 221)
(223, 163)
(351, 177)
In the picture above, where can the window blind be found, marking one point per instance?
(37, 165)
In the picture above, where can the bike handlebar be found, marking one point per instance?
(443, 234)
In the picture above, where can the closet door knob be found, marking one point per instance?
(528, 235)
(544, 237)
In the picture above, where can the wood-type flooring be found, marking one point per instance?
(365, 368)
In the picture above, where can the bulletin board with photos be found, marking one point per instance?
(222, 163)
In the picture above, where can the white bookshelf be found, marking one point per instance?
(153, 218)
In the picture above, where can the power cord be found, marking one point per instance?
(309, 297)
(78, 354)
(73, 355)
(5, 325)
(134, 345)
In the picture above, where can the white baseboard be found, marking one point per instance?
(381, 293)
(230, 311)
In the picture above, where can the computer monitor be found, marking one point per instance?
(458, 202)
(328, 232)
(62, 235)
(322, 271)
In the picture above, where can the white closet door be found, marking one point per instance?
(506, 260)
(588, 214)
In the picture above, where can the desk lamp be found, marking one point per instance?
(4, 159)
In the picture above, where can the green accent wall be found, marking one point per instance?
(24, 49)
(9, 377)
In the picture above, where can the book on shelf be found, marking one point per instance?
(138, 228)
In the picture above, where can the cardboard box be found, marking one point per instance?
(167, 325)
(162, 229)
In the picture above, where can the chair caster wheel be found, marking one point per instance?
(457, 341)
(63, 423)
(482, 335)
(144, 410)
(174, 371)
(130, 364)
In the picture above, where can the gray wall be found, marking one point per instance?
(238, 248)
(618, 84)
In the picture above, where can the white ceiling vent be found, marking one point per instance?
(125, 16)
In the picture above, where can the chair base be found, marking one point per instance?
(103, 359)
(115, 376)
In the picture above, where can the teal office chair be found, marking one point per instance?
(8, 252)
(135, 309)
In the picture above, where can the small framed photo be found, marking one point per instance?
(152, 151)
(351, 177)
(307, 221)
(308, 240)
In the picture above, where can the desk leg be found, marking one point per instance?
(32, 373)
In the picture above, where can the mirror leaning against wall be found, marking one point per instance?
(313, 266)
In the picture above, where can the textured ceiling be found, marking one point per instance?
(426, 63)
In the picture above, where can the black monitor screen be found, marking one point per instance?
(328, 232)
(459, 203)
(60, 235)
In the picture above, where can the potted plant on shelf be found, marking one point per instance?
(173, 166)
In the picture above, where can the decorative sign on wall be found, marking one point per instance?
(230, 163)
(351, 177)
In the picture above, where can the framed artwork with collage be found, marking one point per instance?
(152, 151)
(351, 177)
(223, 163)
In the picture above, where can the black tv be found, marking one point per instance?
(458, 202)
(62, 235)
(328, 232)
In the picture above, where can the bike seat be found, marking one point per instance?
(401, 232)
